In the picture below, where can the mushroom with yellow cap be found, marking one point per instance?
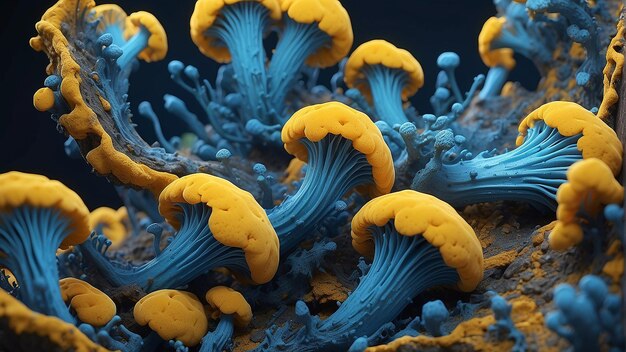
(551, 139)
(386, 75)
(232, 31)
(110, 222)
(231, 308)
(317, 33)
(590, 186)
(239, 236)
(417, 242)
(92, 306)
(343, 150)
(37, 216)
(173, 315)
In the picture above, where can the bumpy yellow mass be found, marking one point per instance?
(225, 300)
(91, 305)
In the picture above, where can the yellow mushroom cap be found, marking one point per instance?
(225, 300)
(591, 184)
(418, 214)
(19, 189)
(237, 220)
(332, 19)
(598, 139)
(112, 222)
(91, 305)
(381, 52)
(43, 100)
(157, 42)
(204, 15)
(494, 57)
(174, 315)
(315, 122)
(109, 15)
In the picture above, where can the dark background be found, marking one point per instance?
(29, 142)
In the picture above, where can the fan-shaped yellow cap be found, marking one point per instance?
(494, 57)
(21, 189)
(418, 214)
(317, 121)
(112, 222)
(590, 185)
(109, 15)
(174, 315)
(225, 300)
(237, 220)
(91, 305)
(381, 52)
(598, 139)
(204, 15)
(157, 42)
(332, 19)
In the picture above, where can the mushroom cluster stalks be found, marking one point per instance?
(37, 216)
(552, 138)
(231, 308)
(343, 149)
(235, 224)
(418, 242)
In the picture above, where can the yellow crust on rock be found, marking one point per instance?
(21, 320)
(331, 18)
(174, 315)
(91, 305)
(598, 139)
(613, 72)
(237, 220)
(590, 185)
(82, 121)
(418, 214)
(381, 52)
(204, 15)
(225, 300)
(21, 189)
(494, 57)
(157, 42)
(317, 121)
(112, 222)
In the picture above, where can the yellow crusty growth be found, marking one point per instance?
(19, 189)
(381, 52)
(43, 100)
(21, 320)
(237, 220)
(317, 121)
(332, 19)
(225, 300)
(204, 16)
(157, 42)
(613, 72)
(112, 222)
(418, 214)
(494, 57)
(598, 139)
(590, 185)
(81, 122)
(91, 305)
(174, 315)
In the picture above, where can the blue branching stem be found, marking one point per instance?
(386, 85)
(218, 340)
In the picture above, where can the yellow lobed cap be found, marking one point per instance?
(225, 300)
(494, 57)
(112, 222)
(109, 15)
(91, 305)
(157, 42)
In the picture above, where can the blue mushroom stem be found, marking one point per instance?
(29, 237)
(297, 42)
(496, 78)
(334, 168)
(386, 85)
(530, 173)
(218, 339)
(241, 27)
(192, 252)
(133, 46)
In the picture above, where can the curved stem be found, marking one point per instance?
(218, 339)
(496, 77)
(386, 85)
(133, 47)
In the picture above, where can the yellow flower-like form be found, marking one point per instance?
(174, 315)
(590, 185)
(19, 189)
(204, 16)
(317, 121)
(21, 320)
(598, 139)
(381, 52)
(225, 300)
(236, 220)
(418, 214)
(331, 18)
(157, 42)
(112, 222)
(91, 305)
(494, 57)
